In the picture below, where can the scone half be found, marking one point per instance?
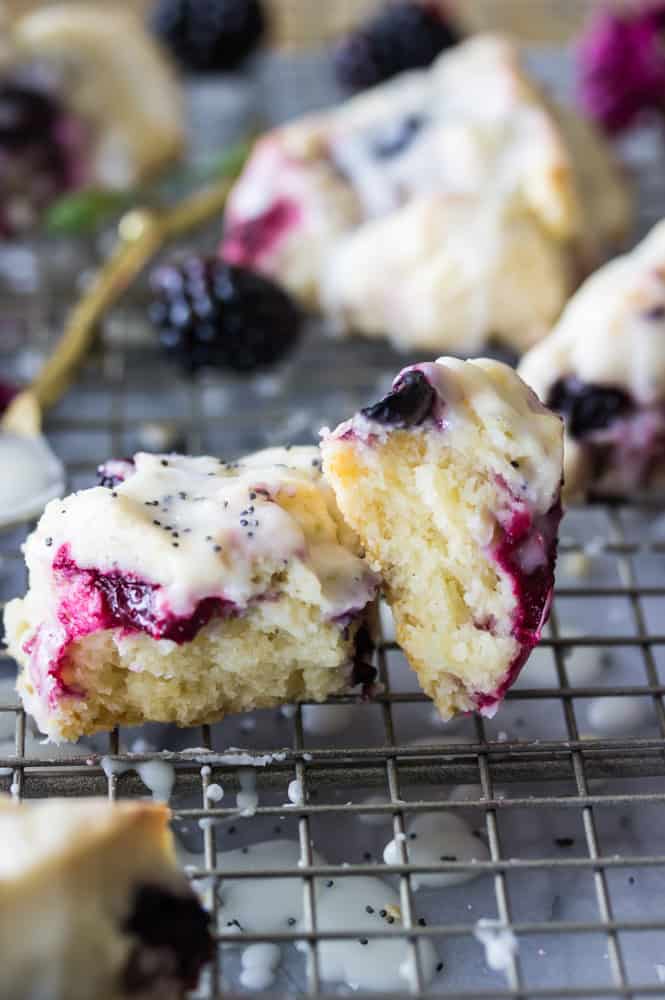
(184, 589)
(452, 482)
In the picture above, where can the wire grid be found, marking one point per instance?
(121, 387)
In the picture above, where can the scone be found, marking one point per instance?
(603, 368)
(86, 99)
(439, 209)
(186, 588)
(93, 905)
(452, 483)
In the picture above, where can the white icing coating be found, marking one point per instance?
(271, 905)
(36, 477)
(247, 799)
(328, 720)
(223, 533)
(259, 964)
(378, 964)
(516, 427)
(616, 716)
(214, 793)
(438, 837)
(499, 942)
(295, 792)
(612, 331)
(157, 775)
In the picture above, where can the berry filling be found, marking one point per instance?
(588, 408)
(41, 154)
(174, 941)
(123, 601)
(526, 551)
(408, 404)
(246, 242)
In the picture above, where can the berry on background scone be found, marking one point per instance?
(442, 208)
(452, 482)
(187, 588)
(86, 99)
(92, 903)
(603, 368)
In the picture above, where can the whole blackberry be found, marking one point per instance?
(401, 36)
(587, 407)
(206, 35)
(38, 152)
(212, 314)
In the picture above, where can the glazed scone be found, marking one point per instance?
(458, 181)
(603, 368)
(183, 589)
(93, 904)
(87, 99)
(452, 482)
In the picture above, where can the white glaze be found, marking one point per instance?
(259, 963)
(379, 964)
(208, 505)
(247, 799)
(616, 716)
(295, 792)
(32, 477)
(607, 334)
(436, 835)
(214, 793)
(266, 906)
(488, 395)
(157, 775)
(499, 942)
(328, 720)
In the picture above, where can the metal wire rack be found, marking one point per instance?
(572, 816)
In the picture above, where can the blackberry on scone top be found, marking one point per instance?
(206, 35)
(452, 483)
(211, 314)
(402, 36)
(443, 208)
(186, 589)
(92, 903)
(603, 368)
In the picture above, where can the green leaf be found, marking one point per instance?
(84, 211)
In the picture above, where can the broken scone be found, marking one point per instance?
(187, 588)
(452, 482)
(92, 903)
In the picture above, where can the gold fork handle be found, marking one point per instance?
(142, 233)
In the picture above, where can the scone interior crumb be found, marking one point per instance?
(279, 652)
(444, 591)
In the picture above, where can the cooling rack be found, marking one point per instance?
(565, 787)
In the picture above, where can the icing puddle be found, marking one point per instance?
(269, 906)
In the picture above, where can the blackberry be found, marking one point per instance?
(408, 404)
(38, 150)
(208, 35)
(587, 407)
(400, 37)
(209, 313)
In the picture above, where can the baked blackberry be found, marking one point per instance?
(206, 35)
(212, 314)
(402, 36)
(587, 407)
(36, 154)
